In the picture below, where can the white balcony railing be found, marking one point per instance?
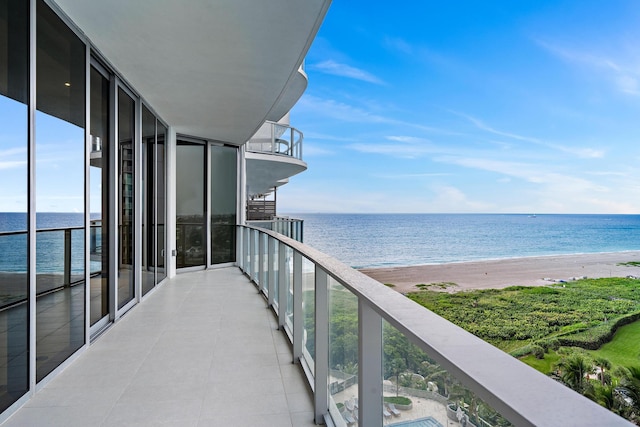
(290, 227)
(331, 313)
(275, 138)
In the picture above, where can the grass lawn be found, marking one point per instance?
(624, 348)
(545, 365)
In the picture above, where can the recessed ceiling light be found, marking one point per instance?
(67, 84)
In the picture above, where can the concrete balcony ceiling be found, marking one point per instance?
(216, 70)
(266, 171)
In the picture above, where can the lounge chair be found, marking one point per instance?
(393, 410)
(348, 418)
(350, 405)
(385, 412)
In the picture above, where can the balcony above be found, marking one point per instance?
(291, 95)
(273, 155)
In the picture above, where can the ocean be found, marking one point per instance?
(383, 240)
(49, 244)
(389, 240)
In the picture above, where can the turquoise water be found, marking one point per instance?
(422, 422)
(387, 240)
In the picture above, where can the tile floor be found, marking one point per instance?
(202, 350)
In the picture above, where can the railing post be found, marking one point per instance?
(369, 366)
(291, 142)
(271, 271)
(273, 138)
(283, 285)
(298, 319)
(67, 257)
(321, 375)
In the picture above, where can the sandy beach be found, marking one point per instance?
(530, 271)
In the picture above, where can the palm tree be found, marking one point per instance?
(574, 370)
(604, 365)
(608, 396)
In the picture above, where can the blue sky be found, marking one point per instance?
(467, 106)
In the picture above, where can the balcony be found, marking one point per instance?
(273, 155)
(202, 350)
(290, 227)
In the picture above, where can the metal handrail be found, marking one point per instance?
(282, 140)
(518, 392)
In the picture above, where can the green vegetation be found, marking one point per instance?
(630, 263)
(583, 313)
(584, 333)
(437, 285)
(398, 400)
(624, 348)
(391, 285)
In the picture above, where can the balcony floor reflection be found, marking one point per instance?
(202, 350)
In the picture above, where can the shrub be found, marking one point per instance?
(538, 351)
(398, 400)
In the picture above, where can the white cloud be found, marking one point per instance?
(581, 152)
(343, 70)
(13, 164)
(623, 74)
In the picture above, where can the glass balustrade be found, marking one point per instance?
(374, 357)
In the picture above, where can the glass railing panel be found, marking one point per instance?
(416, 388)
(343, 352)
(275, 266)
(264, 260)
(287, 281)
(255, 256)
(308, 312)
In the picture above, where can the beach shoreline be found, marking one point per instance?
(502, 273)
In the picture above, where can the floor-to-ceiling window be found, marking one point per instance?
(224, 172)
(59, 191)
(14, 98)
(148, 200)
(126, 138)
(99, 179)
(161, 200)
(190, 204)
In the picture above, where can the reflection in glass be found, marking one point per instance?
(99, 196)
(148, 199)
(59, 153)
(287, 282)
(190, 204)
(126, 129)
(14, 312)
(309, 312)
(223, 204)
(161, 191)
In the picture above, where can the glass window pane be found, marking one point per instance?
(190, 204)
(60, 155)
(161, 191)
(126, 130)
(14, 312)
(99, 196)
(223, 204)
(148, 211)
